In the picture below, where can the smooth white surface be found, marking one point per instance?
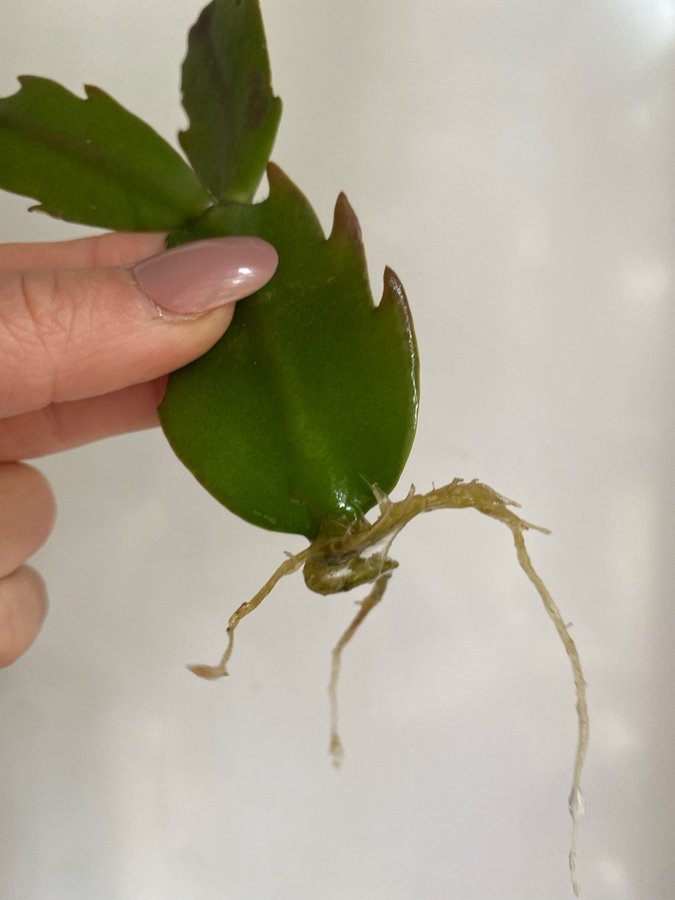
(513, 163)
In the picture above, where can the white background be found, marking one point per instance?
(513, 162)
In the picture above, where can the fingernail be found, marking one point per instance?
(203, 275)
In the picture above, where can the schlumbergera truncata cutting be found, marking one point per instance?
(301, 418)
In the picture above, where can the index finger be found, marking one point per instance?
(100, 250)
(68, 334)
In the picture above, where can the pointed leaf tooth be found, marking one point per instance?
(393, 295)
(276, 177)
(285, 193)
(395, 303)
(346, 230)
(345, 221)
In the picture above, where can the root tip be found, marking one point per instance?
(211, 673)
(337, 751)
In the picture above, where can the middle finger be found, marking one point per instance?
(27, 512)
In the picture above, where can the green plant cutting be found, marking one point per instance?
(301, 418)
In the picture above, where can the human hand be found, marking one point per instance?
(89, 330)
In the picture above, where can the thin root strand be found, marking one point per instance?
(369, 602)
(575, 802)
(290, 565)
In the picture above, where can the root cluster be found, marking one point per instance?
(359, 555)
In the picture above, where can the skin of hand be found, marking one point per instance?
(89, 330)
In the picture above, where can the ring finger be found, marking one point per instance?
(27, 513)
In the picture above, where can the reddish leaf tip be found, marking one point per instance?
(346, 223)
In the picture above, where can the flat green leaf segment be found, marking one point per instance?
(93, 162)
(228, 97)
(310, 398)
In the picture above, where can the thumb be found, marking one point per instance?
(67, 334)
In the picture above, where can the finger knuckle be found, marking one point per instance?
(38, 317)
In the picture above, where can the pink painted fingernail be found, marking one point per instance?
(196, 277)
